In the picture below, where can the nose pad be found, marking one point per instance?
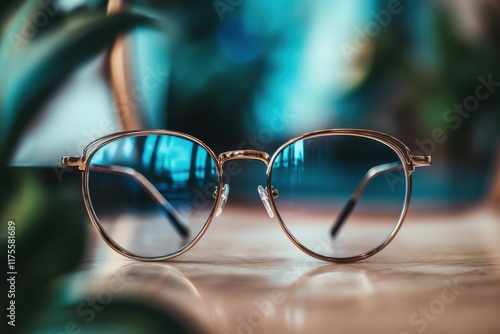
(223, 200)
(264, 196)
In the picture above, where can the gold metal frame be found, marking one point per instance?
(82, 163)
(409, 163)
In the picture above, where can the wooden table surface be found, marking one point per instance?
(440, 275)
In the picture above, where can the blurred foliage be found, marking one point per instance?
(36, 69)
(50, 238)
(50, 223)
(123, 315)
(422, 65)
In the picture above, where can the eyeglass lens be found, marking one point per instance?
(152, 194)
(339, 195)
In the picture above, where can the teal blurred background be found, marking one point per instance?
(254, 74)
(235, 74)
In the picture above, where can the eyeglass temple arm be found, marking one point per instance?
(353, 200)
(173, 216)
(152, 191)
(416, 161)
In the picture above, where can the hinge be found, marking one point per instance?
(73, 161)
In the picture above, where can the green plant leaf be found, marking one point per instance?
(49, 237)
(5, 6)
(43, 64)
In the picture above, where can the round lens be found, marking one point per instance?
(339, 196)
(152, 195)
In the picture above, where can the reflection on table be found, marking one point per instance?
(245, 276)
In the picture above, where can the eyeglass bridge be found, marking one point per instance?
(263, 191)
(244, 154)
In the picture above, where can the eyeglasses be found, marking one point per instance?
(340, 195)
